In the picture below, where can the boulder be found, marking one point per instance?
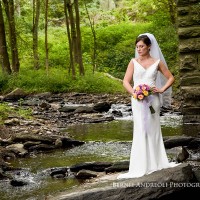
(183, 155)
(85, 174)
(17, 183)
(37, 138)
(29, 144)
(42, 147)
(177, 141)
(102, 107)
(12, 122)
(68, 142)
(84, 109)
(117, 167)
(67, 108)
(194, 144)
(17, 149)
(93, 166)
(15, 95)
(59, 172)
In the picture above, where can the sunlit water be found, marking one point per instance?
(109, 141)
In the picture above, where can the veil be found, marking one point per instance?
(155, 52)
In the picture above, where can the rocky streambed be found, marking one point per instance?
(46, 132)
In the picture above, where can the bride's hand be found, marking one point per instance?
(157, 90)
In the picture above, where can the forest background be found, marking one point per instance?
(72, 46)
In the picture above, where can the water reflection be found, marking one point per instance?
(110, 131)
(121, 130)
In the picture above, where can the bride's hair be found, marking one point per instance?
(143, 38)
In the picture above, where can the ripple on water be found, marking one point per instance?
(103, 150)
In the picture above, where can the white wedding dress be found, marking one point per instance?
(148, 152)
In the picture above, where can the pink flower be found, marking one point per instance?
(144, 87)
(140, 96)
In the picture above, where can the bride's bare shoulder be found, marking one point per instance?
(131, 63)
(133, 59)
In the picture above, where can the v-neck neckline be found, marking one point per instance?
(148, 66)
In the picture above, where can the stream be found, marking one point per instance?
(108, 141)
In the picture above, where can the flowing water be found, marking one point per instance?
(109, 141)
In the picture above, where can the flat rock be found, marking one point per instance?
(153, 186)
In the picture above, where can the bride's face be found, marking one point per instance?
(142, 48)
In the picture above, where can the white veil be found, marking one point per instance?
(155, 52)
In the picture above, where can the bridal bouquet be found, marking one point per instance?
(141, 92)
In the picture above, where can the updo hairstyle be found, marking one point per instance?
(143, 38)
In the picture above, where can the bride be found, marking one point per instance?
(148, 67)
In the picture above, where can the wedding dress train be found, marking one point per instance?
(148, 152)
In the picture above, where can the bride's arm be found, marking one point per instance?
(170, 78)
(128, 77)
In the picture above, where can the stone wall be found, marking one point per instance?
(189, 50)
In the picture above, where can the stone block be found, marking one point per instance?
(191, 111)
(189, 45)
(189, 32)
(191, 19)
(193, 91)
(190, 80)
(186, 2)
(190, 103)
(191, 119)
(194, 106)
(193, 129)
(189, 62)
(191, 100)
(182, 11)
